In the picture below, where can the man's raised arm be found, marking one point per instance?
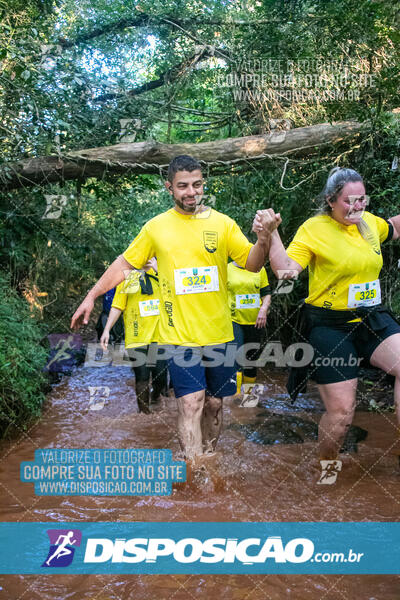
(115, 273)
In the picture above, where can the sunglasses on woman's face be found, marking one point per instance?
(363, 199)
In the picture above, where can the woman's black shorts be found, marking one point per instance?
(338, 351)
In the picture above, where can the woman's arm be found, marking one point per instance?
(264, 223)
(278, 257)
(112, 319)
(395, 221)
(280, 261)
(262, 313)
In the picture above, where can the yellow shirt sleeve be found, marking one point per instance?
(300, 248)
(382, 227)
(119, 300)
(238, 244)
(141, 249)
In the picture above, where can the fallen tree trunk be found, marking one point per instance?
(152, 157)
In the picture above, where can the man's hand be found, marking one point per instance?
(116, 272)
(83, 311)
(265, 222)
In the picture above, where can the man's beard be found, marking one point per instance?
(184, 207)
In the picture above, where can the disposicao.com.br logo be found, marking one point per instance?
(190, 550)
(200, 547)
(61, 551)
(165, 554)
(248, 551)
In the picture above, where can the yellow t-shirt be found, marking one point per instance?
(245, 290)
(192, 254)
(139, 312)
(337, 256)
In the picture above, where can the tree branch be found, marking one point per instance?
(144, 20)
(151, 156)
(86, 36)
(168, 76)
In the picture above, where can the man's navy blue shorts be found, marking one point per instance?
(195, 368)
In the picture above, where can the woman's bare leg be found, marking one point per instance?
(340, 401)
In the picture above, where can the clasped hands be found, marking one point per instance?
(265, 222)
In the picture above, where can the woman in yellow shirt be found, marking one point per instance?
(249, 299)
(345, 320)
(138, 299)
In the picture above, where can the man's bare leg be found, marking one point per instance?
(190, 409)
(211, 422)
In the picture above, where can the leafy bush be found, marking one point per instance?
(21, 361)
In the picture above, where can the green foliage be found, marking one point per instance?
(22, 360)
(67, 71)
(55, 261)
(380, 407)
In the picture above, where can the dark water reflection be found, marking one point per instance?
(245, 481)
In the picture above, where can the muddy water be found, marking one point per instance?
(245, 481)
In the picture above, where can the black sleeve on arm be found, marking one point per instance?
(265, 291)
(390, 232)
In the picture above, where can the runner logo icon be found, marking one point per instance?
(330, 470)
(61, 551)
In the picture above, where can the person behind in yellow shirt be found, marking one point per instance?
(138, 299)
(192, 244)
(345, 320)
(249, 301)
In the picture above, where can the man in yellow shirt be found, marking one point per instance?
(192, 245)
(138, 298)
(249, 300)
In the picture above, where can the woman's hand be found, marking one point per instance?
(104, 339)
(261, 319)
(266, 221)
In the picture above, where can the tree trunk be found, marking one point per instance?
(152, 157)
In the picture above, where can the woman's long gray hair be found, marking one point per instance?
(337, 179)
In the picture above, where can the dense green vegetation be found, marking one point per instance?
(22, 359)
(70, 71)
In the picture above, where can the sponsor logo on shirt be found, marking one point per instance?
(168, 310)
(332, 292)
(210, 239)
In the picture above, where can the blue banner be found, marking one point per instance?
(200, 548)
(103, 472)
